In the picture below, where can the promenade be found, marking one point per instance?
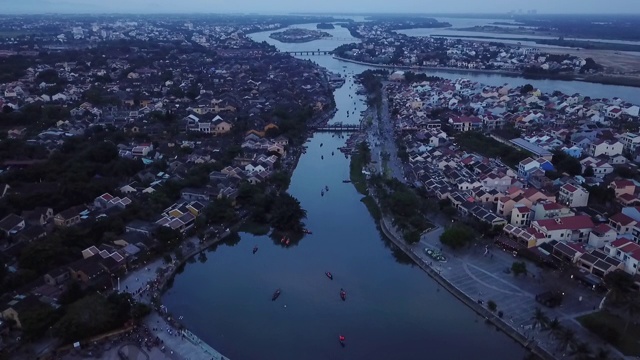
(147, 283)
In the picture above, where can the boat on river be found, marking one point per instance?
(307, 231)
(329, 275)
(275, 295)
(326, 188)
(255, 249)
(343, 295)
(346, 181)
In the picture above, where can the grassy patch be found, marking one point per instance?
(254, 228)
(611, 328)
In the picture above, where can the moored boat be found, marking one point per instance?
(329, 275)
(255, 249)
(343, 295)
(275, 295)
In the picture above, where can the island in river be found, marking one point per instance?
(325, 26)
(297, 35)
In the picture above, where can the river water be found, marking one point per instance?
(393, 309)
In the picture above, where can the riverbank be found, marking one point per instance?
(596, 79)
(500, 323)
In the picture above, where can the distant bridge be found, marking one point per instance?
(309, 52)
(337, 128)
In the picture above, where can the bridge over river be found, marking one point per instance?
(337, 127)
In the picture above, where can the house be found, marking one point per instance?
(550, 210)
(622, 223)
(605, 147)
(465, 123)
(38, 216)
(526, 166)
(68, 217)
(88, 270)
(601, 168)
(626, 251)
(573, 195)
(18, 306)
(520, 216)
(12, 224)
(602, 235)
(220, 126)
(622, 187)
(630, 141)
(571, 228)
(599, 263)
(57, 276)
(536, 150)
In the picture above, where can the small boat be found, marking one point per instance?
(322, 193)
(332, 153)
(320, 144)
(346, 181)
(275, 295)
(307, 231)
(329, 275)
(341, 339)
(287, 242)
(322, 157)
(283, 239)
(255, 249)
(343, 295)
(326, 188)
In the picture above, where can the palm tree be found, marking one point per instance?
(581, 351)
(539, 318)
(554, 327)
(567, 337)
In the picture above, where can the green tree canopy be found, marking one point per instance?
(457, 236)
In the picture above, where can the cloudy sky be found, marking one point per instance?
(286, 6)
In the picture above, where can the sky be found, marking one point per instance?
(287, 6)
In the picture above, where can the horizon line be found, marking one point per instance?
(298, 13)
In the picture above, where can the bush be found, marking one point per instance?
(491, 305)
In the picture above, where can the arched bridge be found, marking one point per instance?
(337, 127)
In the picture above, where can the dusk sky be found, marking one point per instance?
(286, 6)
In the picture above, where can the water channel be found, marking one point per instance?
(393, 310)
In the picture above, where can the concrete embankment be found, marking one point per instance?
(466, 299)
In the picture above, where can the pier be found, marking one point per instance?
(337, 128)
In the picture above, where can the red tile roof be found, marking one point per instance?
(622, 183)
(570, 188)
(567, 223)
(622, 219)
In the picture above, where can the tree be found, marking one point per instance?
(554, 327)
(567, 337)
(491, 305)
(139, 311)
(287, 214)
(526, 89)
(540, 319)
(519, 267)
(86, 317)
(588, 172)
(37, 320)
(582, 351)
(565, 163)
(280, 180)
(457, 236)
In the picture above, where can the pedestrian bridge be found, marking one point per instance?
(309, 52)
(337, 128)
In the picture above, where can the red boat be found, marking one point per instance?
(342, 339)
(343, 295)
(283, 239)
(287, 242)
(329, 275)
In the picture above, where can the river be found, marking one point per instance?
(393, 309)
